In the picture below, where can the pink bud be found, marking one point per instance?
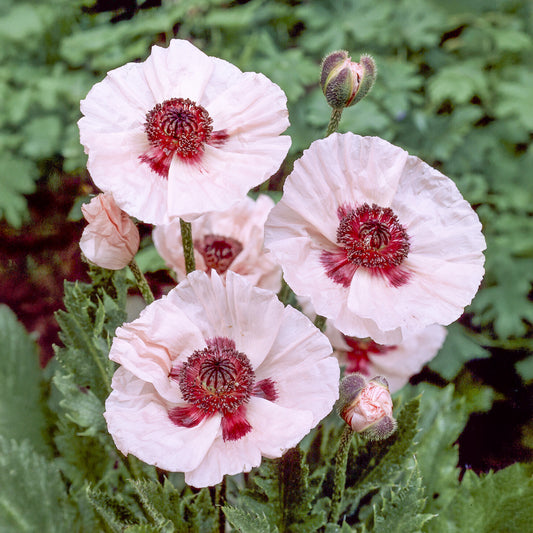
(367, 406)
(111, 239)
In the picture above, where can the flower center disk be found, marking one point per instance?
(178, 127)
(217, 378)
(218, 252)
(372, 236)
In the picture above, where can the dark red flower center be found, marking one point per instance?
(218, 379)
(178, 127)
(218, 252)
(370, 237)
(357, 357)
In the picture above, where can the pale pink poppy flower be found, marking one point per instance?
(214, 376)
(111, 239)
(226, 240)
(182, 133)
(380, 242)
(397, 362)
(367, 406)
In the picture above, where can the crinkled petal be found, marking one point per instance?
(254, 109)
(244, 223)
(115, 114)
(138, 421)
(275, 429)
(407, 358)
(222, 177)
(114, 167)
(444, 265)
(220, 311)
(300, 366)
(162, 337)
(118, 103)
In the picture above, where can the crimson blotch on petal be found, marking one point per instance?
(182, 133)
(382, 244)
(215, 376)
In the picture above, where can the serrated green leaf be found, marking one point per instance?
(500, 501)
(32, 494)
(248, 522)
(442, 418)
(21, 411)
(85, 354)
(162, 502)
(375, 466)
(401, 508)
(81, 406)
(115, 513)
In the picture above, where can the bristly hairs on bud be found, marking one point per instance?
(369, 77)
(345, 82)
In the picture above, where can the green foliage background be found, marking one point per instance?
(455, 87)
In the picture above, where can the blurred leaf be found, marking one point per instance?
(515, 97)
(149, 260)
(459, 82)
(525, 368)
(458, 349)
(21, 411)
(32, 494)
(42, 136)
(17, 177)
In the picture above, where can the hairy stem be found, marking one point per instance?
(333, 125)
(188, 246)
(141, 282)
(341, 458)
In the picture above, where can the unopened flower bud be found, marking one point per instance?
(111, 239)
(345, 82)
(367, 406)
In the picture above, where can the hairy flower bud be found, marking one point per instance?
(111, 239)
(345, 82)
(367, 406)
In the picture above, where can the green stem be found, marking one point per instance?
(333, 125)
(188, 246)
(264, 186)
(320, 322)
(220, 501)
(141, 282)
(340, 473)
(285, 292)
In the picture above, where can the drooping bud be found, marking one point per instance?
(345, 82)
(111, 239)
(367, 406)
